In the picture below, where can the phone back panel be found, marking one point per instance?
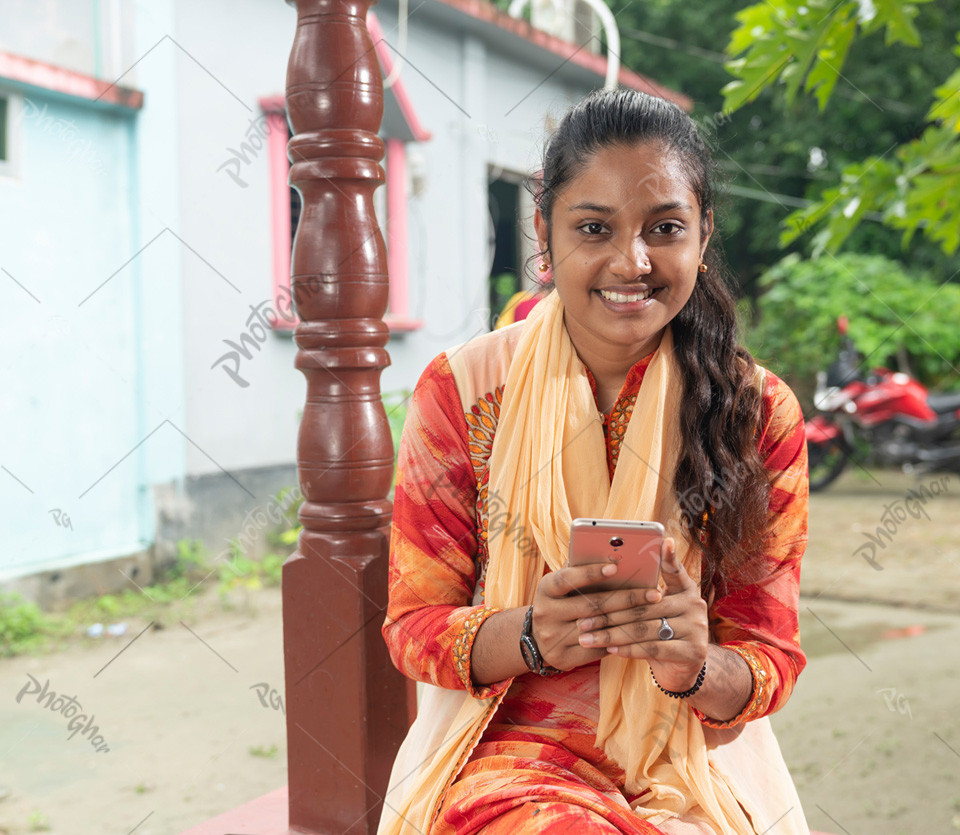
(635, 546)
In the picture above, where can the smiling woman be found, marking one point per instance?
(624, 395)
(628, 208)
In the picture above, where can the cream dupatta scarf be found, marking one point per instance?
(548, 466)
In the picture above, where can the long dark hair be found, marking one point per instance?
(720, 483)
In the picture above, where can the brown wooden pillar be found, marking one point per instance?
(346, 704)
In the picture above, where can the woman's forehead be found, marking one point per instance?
(644, 175)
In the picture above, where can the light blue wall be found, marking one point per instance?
(93, 364)
(70, 389)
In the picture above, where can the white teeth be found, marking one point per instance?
(625, 297)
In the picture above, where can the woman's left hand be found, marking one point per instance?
(628, 622)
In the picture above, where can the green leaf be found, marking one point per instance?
(804, 45)
(946, 106)
(898, 17)
(830, 59)
(753, 81)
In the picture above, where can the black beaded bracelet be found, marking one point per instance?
(673, 694)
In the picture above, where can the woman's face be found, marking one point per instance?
(625, 244)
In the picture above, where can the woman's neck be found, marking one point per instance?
(610, 373)
(609, 363)
(608, 387)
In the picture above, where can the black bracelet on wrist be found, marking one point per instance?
(675, 695)
(531, 652)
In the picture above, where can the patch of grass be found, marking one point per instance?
(163, 602)
(242, 576)
(38, 822)
(286, 539)
(267, 752)
(24, 627)
(242, 572)
(154, 602)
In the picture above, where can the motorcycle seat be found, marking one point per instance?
(943, 403)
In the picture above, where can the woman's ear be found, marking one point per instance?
(706, 230)
(540, 227)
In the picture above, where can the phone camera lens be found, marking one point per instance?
(616, 541)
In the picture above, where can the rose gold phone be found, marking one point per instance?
(635, 546)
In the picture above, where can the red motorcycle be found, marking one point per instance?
(885, 418)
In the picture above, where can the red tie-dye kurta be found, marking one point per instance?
(538, 754)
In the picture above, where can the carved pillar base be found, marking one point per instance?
(346, 704)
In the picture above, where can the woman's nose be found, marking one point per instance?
(630, 258)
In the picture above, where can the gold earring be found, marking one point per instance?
(702, 267)
(544, 266)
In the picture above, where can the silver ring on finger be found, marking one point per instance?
(665, 632)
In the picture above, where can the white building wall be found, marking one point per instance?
(243, 46)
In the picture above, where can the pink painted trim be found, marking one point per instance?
(487, 12)
(67, 82)
(273, 104)
(398, 91)
(280, 217)
(398, 325)
(397, 235)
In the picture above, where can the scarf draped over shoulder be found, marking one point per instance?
(547, 467)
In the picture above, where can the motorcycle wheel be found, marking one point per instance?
(826, 461)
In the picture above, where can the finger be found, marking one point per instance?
(609, 616)
(565, 581)
(647, 641)
(668, 652)
(675, 577)
(614, 608)
(634, 632)
(648, 650)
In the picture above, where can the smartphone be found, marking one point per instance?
(634, 546)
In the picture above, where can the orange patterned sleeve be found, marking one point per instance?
(760, 620)
(431, 623)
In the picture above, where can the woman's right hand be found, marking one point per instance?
(557, 607)
(558, 604)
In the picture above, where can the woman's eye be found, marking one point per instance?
(592, 228)
(667, 228)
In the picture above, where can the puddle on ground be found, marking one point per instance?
(821, 637)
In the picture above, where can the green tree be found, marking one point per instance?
(796, 333)
(806, 47)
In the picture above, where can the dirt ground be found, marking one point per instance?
(872, 733)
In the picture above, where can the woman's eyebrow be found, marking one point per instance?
(609, 210)
(670, 207)
(592, 207)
